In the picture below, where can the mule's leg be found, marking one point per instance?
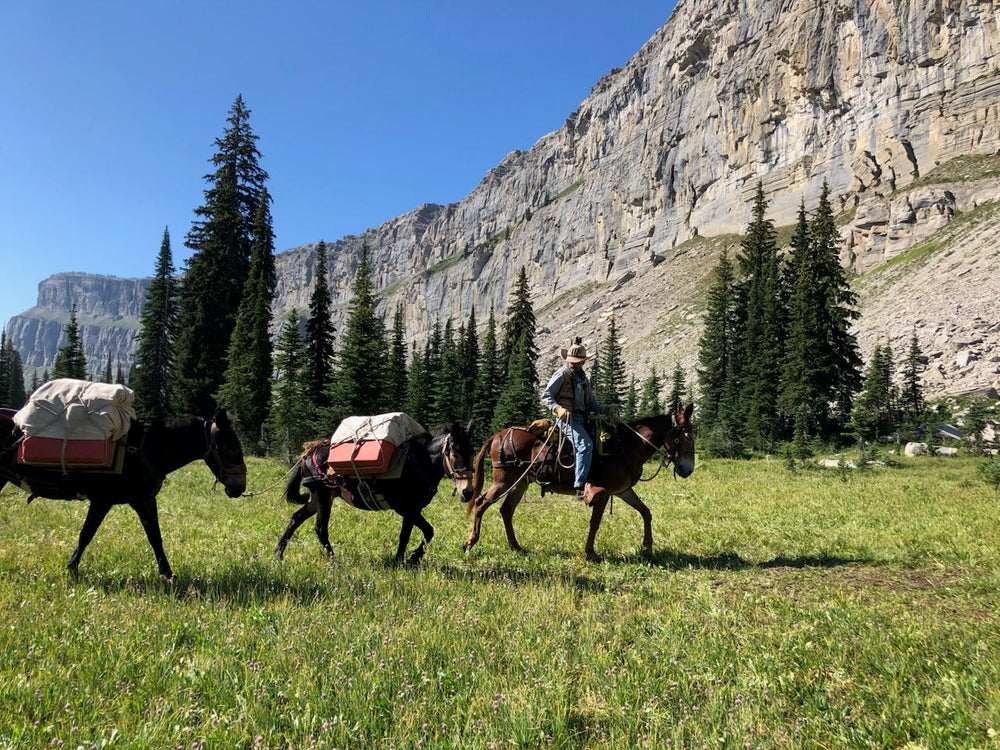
(485, 501)
(404, 539)
(507, 514)
(428, 532)
(299, 517)
(322, 500)
(151, 523)
(636, 502)
(95, 515)
(597, 506)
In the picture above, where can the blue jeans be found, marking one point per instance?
(576, 431)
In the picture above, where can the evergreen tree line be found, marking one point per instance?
(778, 364)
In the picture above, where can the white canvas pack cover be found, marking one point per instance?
(73, 409)
(394, 427)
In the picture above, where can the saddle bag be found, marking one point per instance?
(364, 446)
(61, 453)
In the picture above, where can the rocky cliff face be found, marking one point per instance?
(616, 211)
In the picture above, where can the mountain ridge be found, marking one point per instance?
(664, 154)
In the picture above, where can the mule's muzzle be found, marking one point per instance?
(684, 466)
(235, 484)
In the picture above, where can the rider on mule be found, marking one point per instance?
(571, 398)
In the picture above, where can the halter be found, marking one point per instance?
(667, 456)
(450, 471)
(225, 470)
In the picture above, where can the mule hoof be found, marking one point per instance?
(594, 557)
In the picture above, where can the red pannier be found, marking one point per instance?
(60, 453)
(360, 457)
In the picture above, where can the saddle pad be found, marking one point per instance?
(60, 453)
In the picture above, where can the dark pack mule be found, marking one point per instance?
(429, 458)
(517, 458)
(151, 453)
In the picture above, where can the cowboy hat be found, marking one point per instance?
(576, 353)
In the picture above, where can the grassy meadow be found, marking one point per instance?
(808, 609)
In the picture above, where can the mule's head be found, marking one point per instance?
(224, 454)
(679, 441)
(458, 453)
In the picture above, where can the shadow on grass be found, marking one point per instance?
(731, 561)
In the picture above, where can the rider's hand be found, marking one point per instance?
(561, 413)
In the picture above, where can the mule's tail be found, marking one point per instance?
(479, 474)
(292, 493)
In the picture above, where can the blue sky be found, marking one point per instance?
(364, 110)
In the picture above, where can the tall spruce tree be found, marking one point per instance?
(761, 343)
(518, 402)
(417, 387)
(487, 382)
(70, 361)
(397, 376)
(360, 386)
(610, 384)
(631, 409)
(468, 367)
(717, 352)
(912, 396)
(649, 396)
(448, 379)
(822, 366)
(152, 372)
(519, 322)
(220, 240)
(246, 384)
(874, 409)
(289, 424)
(320, 333)
(678, 388)
(12, 393)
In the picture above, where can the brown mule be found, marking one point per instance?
(516, 457)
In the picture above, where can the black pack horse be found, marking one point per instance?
(429, 457)
(151, 453)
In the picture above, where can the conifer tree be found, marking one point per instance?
(107, 377)
(220, 239)
(417, 388)
(611, 376)
(12, 393)
(152, 372)
(246, 384)
(649, 397)
(447, 381)
(761, 347)
(822, 366)
(519, 323)
(716, 363)
(912, 396)
(289, 424)
(468, 367)
(397, 376)
(518, 402)
(678, 389)
(487, 382)
(360, 386)
(320, 333)
(873, 413)
(631, 408)
(433, 364)
(70, 361)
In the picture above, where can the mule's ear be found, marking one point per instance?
(688, 410)
(221, 416)
(468, 427)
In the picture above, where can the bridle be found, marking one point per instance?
(447, 453)
(670, 448)
(225, 469)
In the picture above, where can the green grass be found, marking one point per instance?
(800, 610)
